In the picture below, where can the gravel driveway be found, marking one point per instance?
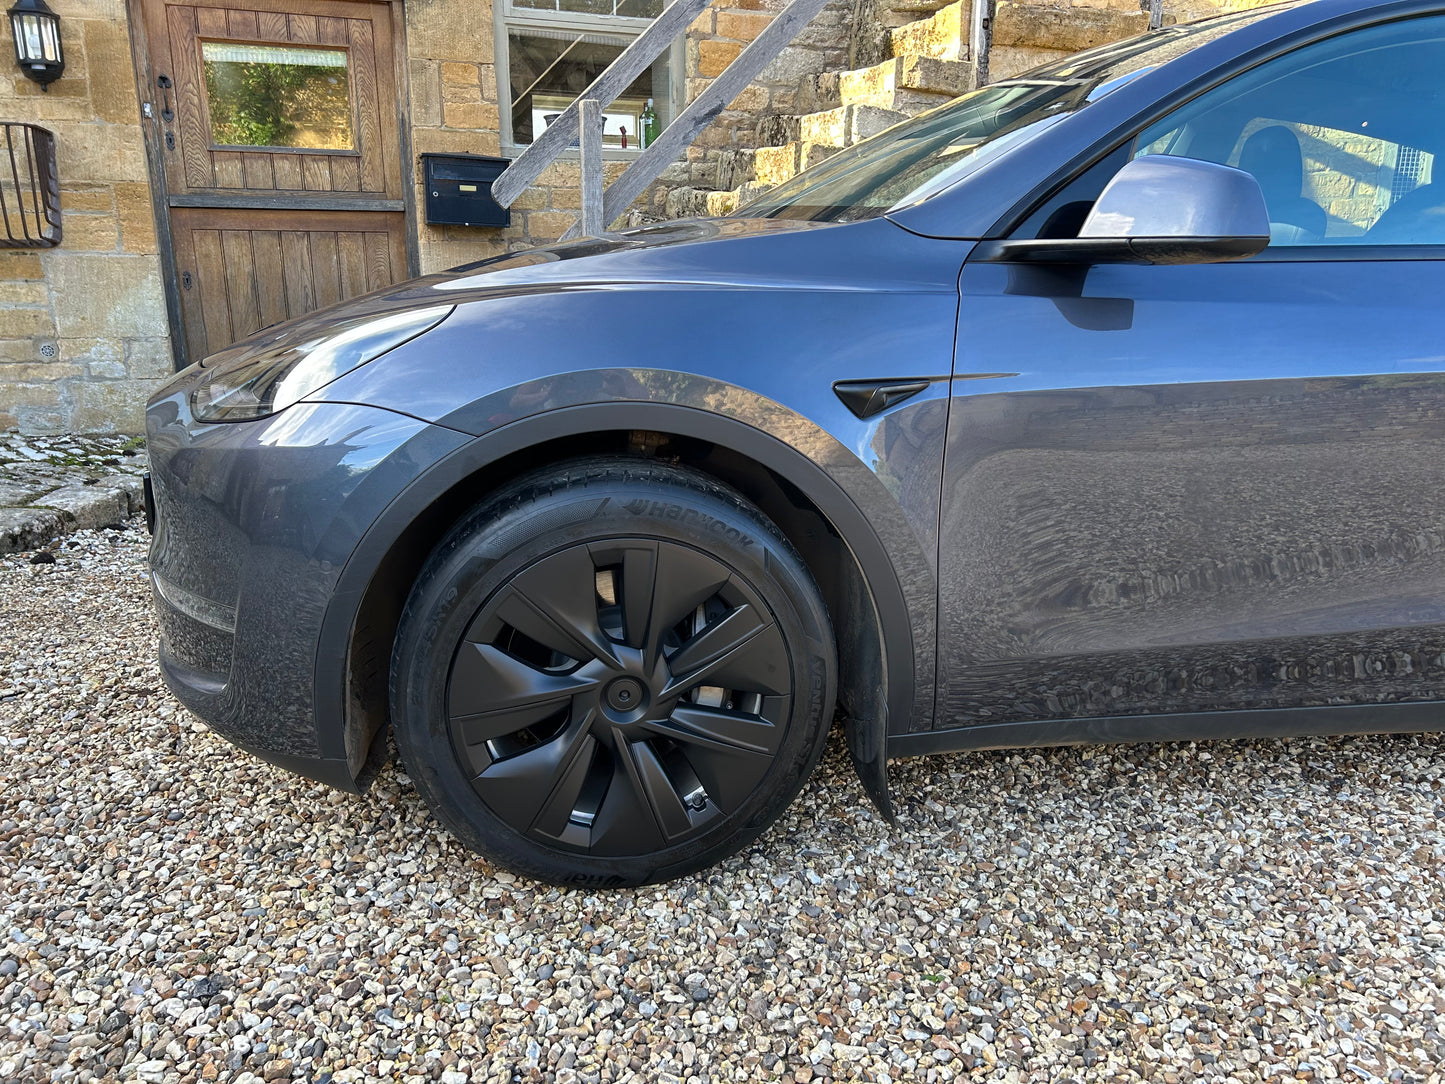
(172, 909)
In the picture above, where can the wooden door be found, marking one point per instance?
(281, 158)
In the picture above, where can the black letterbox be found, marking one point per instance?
(459, 190)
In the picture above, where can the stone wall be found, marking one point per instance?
(83, 333)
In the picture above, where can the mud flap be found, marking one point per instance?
(867, 742)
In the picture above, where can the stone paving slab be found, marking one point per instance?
(51, 486)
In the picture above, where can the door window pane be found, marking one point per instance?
(1342, 136)
(550, 68)
(277, 96)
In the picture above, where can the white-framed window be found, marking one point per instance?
(549, 51)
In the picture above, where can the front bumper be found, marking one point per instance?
(254, 523)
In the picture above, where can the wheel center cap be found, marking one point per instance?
(625, 694)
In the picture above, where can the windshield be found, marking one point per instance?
(920, 157)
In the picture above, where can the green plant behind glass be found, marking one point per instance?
(268, 104)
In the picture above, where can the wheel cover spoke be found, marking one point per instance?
(554, 603)
(661, 585)
(742, 651)
(486, 681)
(520, 787)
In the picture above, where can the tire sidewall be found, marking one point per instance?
(596, 503)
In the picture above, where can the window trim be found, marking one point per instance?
(506, 16)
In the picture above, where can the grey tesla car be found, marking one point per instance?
(1106, 403)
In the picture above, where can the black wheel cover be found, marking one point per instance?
(616, 698)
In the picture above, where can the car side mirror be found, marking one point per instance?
(1157, 209)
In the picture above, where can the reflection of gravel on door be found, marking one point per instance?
(174, 909)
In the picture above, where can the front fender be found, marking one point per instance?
(899, 582)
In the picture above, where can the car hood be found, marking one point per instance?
(696, 250)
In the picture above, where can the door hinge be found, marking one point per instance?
(866, 398)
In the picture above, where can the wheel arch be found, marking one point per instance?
(850, 563)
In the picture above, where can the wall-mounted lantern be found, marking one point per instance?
(37, 41)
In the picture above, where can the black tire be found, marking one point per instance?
(551, 680)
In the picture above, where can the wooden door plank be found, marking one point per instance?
(271, 26)
(257, 171)
(270, 276)
(303, 29)
(351, 247)
(331, 31)
(316, 172)
(210, 22)
(345, 173)
(210, 281)
(187, 85)
(387, 62)
(379, 271)
(241, 24)
(230, 169)
(193, 317)
(325, 268)
(368, 106)
(241, 282)
(300, 283)
(288, 173)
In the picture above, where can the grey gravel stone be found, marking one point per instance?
(1232, 912)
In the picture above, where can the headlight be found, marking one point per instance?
(270, 379)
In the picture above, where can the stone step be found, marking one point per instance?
(908, 84)
(774, 165)
(942, 36)
(846, 125)
(1026, 35)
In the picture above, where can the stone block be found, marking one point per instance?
(943, 35)
(474, 115)
(447, 30)
(24, 293)
(866, 121)
(713, 57)
(531, 199)
(456, 73)
(111, 406)
(112, 72)
(37, 372)
(947, 77)
(741, 26)
(149, 359)
(774, 165)
(99, 152)
(827, 127)
(89, 232)
(426, 93)
(460, 92)
(107, 295)
(86, 197)
(26, 323)
(1007, 61)
(446, 141)
(20, 265)
(27, 528)
(87, 507)
(753, 99)
(136, 216)
(1067, 29)
(548, 225)
(721, 203)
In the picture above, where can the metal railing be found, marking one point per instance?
(581, 121)
(29, 188)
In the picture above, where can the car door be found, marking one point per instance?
(1215, 487)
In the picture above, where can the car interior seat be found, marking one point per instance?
(1273, 155)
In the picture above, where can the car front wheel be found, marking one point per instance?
(611, 673)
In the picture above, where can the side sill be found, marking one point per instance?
(1409, 718)
(334, 773)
